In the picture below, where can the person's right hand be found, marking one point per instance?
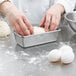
(19, 22)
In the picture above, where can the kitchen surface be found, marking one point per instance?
(32, 61)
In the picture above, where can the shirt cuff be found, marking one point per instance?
(69, 5)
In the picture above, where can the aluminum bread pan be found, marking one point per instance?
(32, 40)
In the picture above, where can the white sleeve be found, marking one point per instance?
(11, 0)
(69, 5)
(1, 1)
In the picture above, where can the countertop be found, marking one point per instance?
(18, 61)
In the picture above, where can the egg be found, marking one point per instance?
(67, 57)
(4, 29)
(66, 48)
(54, 55)
(38, 30)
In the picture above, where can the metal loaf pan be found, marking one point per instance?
(32, 40)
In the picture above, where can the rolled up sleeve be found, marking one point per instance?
(1, 1)
(69, 5)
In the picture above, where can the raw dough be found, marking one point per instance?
(54, 55)
(4, 29)
(38, 30)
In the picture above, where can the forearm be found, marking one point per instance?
(6, 7)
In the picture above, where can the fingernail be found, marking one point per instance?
(45, 29)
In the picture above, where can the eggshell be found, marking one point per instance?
(67, 57)
(66, 48)
(54, 55)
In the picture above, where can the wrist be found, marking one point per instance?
(3, 1)
(5, 7)
(61, 8)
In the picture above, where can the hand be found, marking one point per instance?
(17, 19)
(52, 17)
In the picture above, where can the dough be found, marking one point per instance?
(4, 29)
(54, 55)
(38, 30)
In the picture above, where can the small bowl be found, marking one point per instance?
(71, 18)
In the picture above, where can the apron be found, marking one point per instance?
(34, 9)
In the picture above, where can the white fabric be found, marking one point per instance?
(69, 5)
(1, 1)
(35, 9)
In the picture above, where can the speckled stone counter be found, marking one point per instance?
(17, 61)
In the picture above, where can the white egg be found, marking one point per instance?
(54, 55)
(67, 57)
(66, 48)
(38, 30)
(4, 29)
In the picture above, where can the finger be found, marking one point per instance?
(55, 27)
(57, 22)
(18, 29)
(28, 24)
(13, 25)
(47, 22)
(53, 23)
(43, 21)
(23, 27)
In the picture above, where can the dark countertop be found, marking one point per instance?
(17, 61)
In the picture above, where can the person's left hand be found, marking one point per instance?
(52, 17)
